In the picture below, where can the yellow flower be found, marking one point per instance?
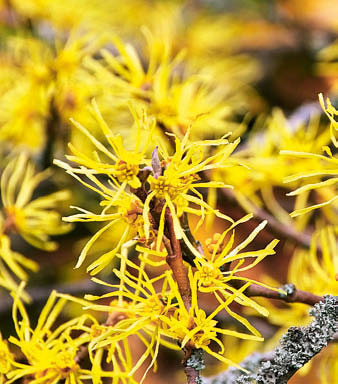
(159, 317)
(119, 355)
(50, 354)
(180, 177)
(263, 169)
(128, 217)
(136, 309)
(195, 328)
(35, 220)
(122, 168)
(327, 169)
(26, 102)
(126, 163)
(11, 261)
(214, 272)
(319, 272)
(311, 272)
(165, 87)
(49, 85)
(23, 106)
(6, 360)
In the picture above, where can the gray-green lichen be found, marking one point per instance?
(298, 346)
(230, 376)
(196, 362)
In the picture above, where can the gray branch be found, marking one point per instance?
(297, 347)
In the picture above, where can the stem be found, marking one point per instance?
(293, 295)
(192, 375)
(176, 264)
(193, 361)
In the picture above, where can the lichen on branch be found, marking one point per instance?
(297, 347)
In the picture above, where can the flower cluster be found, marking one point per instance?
(34, 219)
(180, 208)
(135, 183)
(52, 85)
(51, 352)
(277, 160)
(150, 197)
(178, 100)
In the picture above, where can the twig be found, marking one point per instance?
(292, 295)
(193, 361)
(176, 264)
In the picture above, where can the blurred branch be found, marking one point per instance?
(41, 294)
(52, 128)
(282, 231)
